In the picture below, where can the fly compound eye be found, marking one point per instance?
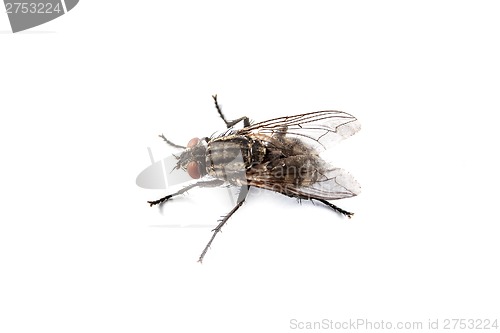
(193, 170)
(193, 142)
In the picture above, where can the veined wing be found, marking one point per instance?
(320, 129)
(334, 184)
(331, 184)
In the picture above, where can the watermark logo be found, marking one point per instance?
(161, 174)
(28, 14)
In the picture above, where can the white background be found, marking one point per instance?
(83, 96)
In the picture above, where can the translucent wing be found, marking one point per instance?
(334, 184)
(319, 129)
(331, 184)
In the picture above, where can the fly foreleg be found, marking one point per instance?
(241, 198)
(210, 183)
(170, 143)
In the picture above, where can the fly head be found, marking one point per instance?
(192, 159)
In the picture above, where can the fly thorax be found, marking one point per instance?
(228, 158)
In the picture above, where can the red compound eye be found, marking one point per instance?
(193, 170)
(193, 142)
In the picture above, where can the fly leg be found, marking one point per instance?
(229, 124)
(329, 204)
(211, 183)
(335, 208)
(170, 143)
(241, 198)
(308, 167)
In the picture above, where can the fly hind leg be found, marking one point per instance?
(334, 207)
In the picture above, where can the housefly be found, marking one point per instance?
(281, 154)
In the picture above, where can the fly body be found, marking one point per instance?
(281, 155)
